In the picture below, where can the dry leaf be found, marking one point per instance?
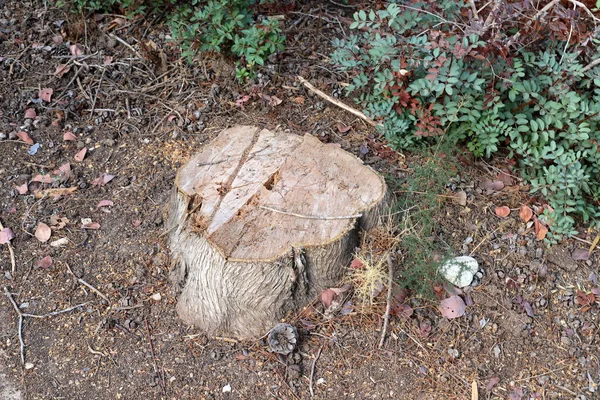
(30, 113)
(91, 225)
(491, 383)
(108, 60)
(105, 203)
(102, 180)
(460, 198)
(580, 255)
(76, 49)
(54, 193)
(61, 69)
(45, 94)
(452, 307)
(60, 242)
(502, 212)
(493, 186)
(23, 189)
(45, 262)
(327, 297)
(357, 264)
(526, 213)
(343, 128)
(594, 243)
(6, 235)
(42, 178)
(80, 154)
(136, 222)
(57, 222)
(43, 232)
(24, 136)
(540, 229)
(505, 177)
(69, 136)
(298, 100)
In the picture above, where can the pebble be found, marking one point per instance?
(459, 270)
(227, 388)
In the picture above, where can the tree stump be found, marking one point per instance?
(261, 222)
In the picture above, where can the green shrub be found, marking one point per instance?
(515, 80)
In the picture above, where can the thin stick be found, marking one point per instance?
(546, 8)
(310, 216)
(24, 315)
(84, 283)
(335, 102)
(124, 43)
(162, 382)
(388, 307)
(312, 371)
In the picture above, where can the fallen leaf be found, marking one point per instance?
(506, 178)
(91, 225)
(42, 178)
(136, 222)
(45, 262)
(596, 291)
(57, 39)
(57, 223)
(76, 49)
(6, 235)
(594, 243)
(425, 328)
(452, 307)
(526, 213)
(401, 310)
(327, 297)
(108, 60)
(491, 383)
(43, 232)
(63, 172)
(54, 193)
(30, 113)
(540, 229)
(80, 154)
(460, 198)
(171, 117)
(297, 100)
(580, 255)
(61, 69)
(275, 101)
(528, 309)
(105, 203)
(102, 180)
(24, 136)
(46, 94)
(60, 242)
(23, 188)
(516, 394)
(343, 128)
(493, 186)
(69, 136)
(357, 264)
(502, 211)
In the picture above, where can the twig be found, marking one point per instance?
(160, 376)
(12, 254)
(24, 315)
(312, 371)
(388, 307)
(474, 9)
(545, 9)
(591, 65)
(335, 102)
(96, 95)
(124, 43)
(587, 10)
(310, 216)
(84, 283)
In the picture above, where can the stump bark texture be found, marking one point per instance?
(261, 222)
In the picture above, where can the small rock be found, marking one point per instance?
(226, 388)
(29, 365)
(156, 297)
(459, 270)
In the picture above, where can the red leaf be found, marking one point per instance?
(76, 49)
(505, 177)
(80, 154)
(42, 178)
(23, 189)
(69, 136)
(343, 128)
(502, 212)
(46, 94)
(102, 180)
(491, 383)
(327, 297)
(43, 232)
(45, 262)
(525, 213)
(24, 136)
(136, 222)
(6, 235)
(540, 229)
(30, 113)
(105, 203)
(61, 69)
(91, 225)
(452, 307)
(357, 264)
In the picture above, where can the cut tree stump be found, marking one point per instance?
(261, 222)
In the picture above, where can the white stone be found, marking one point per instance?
(156, 297)
(227, 388)
(459, 271)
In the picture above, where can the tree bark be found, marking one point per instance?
(261, 222)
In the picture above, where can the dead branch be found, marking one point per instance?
(338, 103)
(156, 370)
(388, 307)
(544, 10)
(312, 371)
(84, 283)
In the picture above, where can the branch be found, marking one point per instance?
(388, 307)
(544, 10)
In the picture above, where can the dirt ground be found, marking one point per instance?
(141, 112)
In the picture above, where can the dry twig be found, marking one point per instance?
(156, 371)
(388, 307)
(84, 283)
(312, 371)
(338, 103)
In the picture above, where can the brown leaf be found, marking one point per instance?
(43, 232)
(24, 136)
(526, 213)
(452, 307)
(69, 136)
(91, 225)
(540, 229)
(105, 203)
(6, 235)
(357, 264)
(327, 297)
(23, 189)
(46, 94)
(42, 178)
(580, 255)
(30, 113)
(343, 128)
(136, 222)
(61, 69)
(102, 180)
(108, 60)
(76, 49)
(45, 262)
(80, 154)
(493, 186)
(460, 198)
(298, 100)
(57, 39)
(502, 211)
(504, 177)
(54, 193)
(491, 383)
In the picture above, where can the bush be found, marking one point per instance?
(513, 79)
(222, 26)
